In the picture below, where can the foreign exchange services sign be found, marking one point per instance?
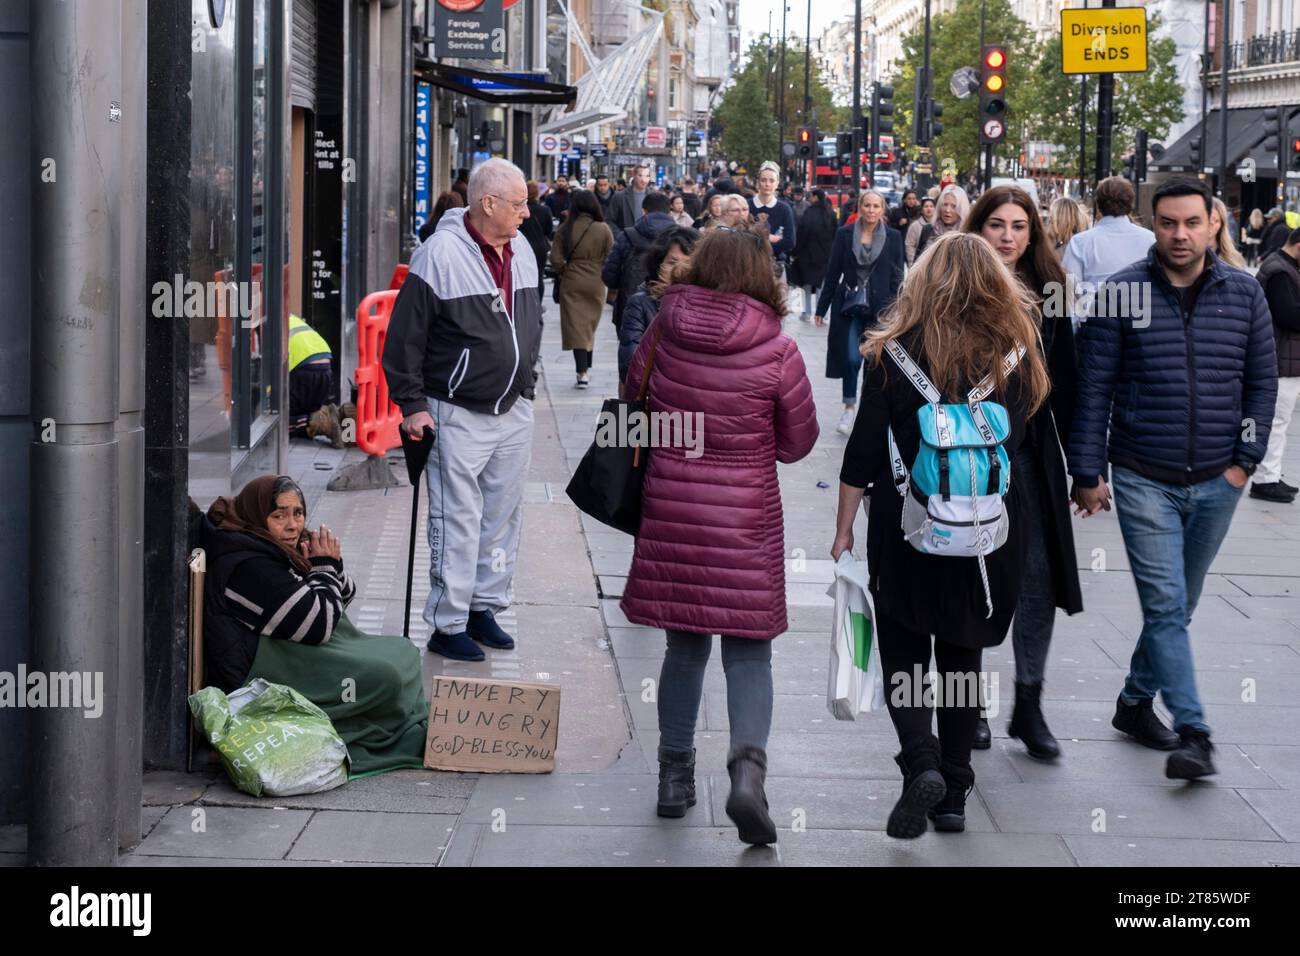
(1112, 40)
(467, 29)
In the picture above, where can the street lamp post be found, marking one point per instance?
(857, 93)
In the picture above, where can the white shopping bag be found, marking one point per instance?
(795, 301)
(856, 684)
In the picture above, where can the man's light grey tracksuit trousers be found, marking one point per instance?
(475, 477)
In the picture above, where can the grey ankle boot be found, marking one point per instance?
(747, 802)
(676, 782)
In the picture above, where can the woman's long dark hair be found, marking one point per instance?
(582, 202)
(1039, 265)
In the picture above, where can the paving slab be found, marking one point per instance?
(164, 788)
(565, 800)
(683, 846)
(1279, 808)
(1112, 851)
(1076, 807)
(835, 804)
(246, 833)
(398, 791)
(374, 837)
(1128, 762)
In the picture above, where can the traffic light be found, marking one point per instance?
(1295, 152)
(1140, 158)
(882, 108)
(844, 147)
(1194, 153)
(932, 120)
(806, 142)
(1272, 128)
(993, 94)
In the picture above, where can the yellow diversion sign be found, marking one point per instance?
(1112, 40)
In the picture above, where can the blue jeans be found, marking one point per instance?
(1171, 534)
(748, 665)
(853, 358)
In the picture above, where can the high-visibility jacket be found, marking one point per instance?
(305, 343)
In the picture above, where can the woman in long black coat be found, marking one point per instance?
(1005, 216)
(959, 313)
(814, 237)
(866, 252)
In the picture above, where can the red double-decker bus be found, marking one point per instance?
(826, 176)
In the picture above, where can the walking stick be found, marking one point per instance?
(417, 456)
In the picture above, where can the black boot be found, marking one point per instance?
(1027, 723)
(949, 814)
(923, 787)
(676, 782)
(747, 803)
(983, 735)
(1192, 758)
(1140, 722)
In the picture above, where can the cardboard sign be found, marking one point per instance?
(492, 726)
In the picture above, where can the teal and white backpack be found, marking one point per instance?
(953, 495)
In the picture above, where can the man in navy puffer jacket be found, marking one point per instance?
(1178, 359)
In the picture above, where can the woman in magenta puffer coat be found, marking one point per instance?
(710, 553)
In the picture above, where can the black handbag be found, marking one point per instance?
(607, 482)
(857, 301)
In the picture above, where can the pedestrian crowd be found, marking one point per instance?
(976, 414)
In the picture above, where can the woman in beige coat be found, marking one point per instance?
(577, 255)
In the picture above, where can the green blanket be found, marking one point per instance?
(370, 686)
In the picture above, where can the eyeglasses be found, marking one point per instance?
(518, 204)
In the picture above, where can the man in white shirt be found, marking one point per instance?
(1113, 242)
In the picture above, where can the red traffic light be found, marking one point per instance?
(995, 59)
(803, 135)
(1295, 145)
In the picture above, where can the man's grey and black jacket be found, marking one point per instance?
(1188, 390)
(452, 338)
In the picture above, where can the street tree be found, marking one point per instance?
(747, 113)
(1150, 101)
(955, 43)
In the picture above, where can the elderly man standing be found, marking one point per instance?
(460, 355)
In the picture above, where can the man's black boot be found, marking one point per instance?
(1140, 722)
(1192, 758)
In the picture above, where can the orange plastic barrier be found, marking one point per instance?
(399, 275)
(377, 417)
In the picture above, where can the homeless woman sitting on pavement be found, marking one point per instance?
(273, 605)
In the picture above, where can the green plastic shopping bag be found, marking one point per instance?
(855, 685)
(273, 741)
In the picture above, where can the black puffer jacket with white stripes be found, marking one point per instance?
(251, 590)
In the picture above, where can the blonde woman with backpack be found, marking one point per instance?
(956, 360)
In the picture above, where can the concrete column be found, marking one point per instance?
(130, 424)
(77, 133)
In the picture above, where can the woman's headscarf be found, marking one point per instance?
(248, 511)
